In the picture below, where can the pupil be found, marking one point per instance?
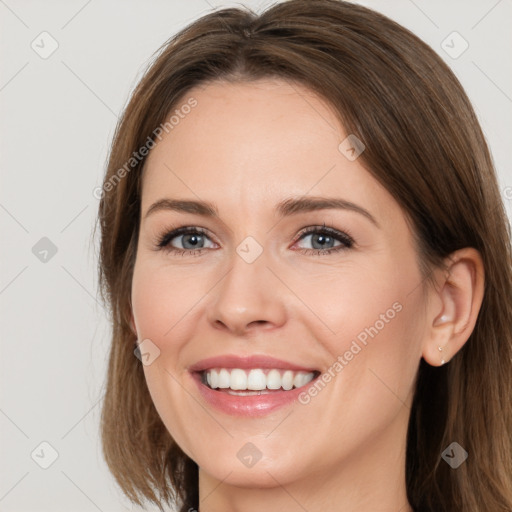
(194, 243)
(322, 240)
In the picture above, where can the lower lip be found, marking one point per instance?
(255, 405)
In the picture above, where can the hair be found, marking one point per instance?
(423, 144)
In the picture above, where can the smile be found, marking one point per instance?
(263, 380)
(254, 385)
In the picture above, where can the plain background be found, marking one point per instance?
(57, 119)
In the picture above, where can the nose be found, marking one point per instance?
(248, 298)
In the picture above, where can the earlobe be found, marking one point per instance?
(460, 294)
(437, 347)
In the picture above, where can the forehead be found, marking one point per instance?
(248, 144)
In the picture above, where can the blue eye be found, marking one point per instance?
(190, 236)
(193, 240)
(323, 237)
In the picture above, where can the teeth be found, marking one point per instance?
(224, 379)
(289, 379)
(273, 379)
(256, 379)
(238, 379)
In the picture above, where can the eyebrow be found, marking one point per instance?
(285, 208)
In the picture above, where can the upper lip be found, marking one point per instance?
(246, 362)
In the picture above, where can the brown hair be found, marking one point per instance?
(423, 144)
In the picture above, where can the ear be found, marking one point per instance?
(453, 313)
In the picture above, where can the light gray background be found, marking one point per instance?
(57, 118)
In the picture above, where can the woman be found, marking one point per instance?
(304, 241)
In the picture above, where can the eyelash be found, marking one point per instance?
(346, 240)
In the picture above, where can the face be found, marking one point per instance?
(279, 293)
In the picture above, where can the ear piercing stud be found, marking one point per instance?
(440, 350)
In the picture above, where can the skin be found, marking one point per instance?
(246, 147)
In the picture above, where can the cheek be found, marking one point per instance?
(353, 301)
(369, 318)
(164, 300)
(163, 305)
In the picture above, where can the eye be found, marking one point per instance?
(192, 240)
(324, 239)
